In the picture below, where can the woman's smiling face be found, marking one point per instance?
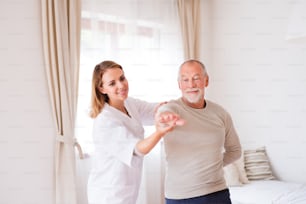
(115, 85)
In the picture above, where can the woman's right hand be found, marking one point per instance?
(166, 121)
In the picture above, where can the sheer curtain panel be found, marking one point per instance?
(189, 14)
(61, 43)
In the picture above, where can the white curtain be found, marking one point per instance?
(144, 37)
(189, 13)
(61, 42)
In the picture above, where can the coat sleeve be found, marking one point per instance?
(146, 110)
(113, 138)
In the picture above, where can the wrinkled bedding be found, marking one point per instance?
(294, 196)
(269, 192)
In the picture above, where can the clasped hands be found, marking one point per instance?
(167, 121)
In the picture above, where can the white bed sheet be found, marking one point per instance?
(269, 192)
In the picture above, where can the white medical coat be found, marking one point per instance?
(116, 172)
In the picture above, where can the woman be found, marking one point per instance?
(118, 136)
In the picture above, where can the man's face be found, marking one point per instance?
(192, 82)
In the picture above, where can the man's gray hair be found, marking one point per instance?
(191, 61)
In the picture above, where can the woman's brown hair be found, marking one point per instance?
(98, 99)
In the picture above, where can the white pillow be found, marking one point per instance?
(257, 164)
(241, 168)
(231, 175)
(235, 174)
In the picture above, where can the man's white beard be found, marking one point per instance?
(192, 98)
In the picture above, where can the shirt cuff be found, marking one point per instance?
(137, 152)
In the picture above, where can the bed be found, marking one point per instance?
(251, 181)
(269, 192)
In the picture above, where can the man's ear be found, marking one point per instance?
(179, 84)
(206, 81)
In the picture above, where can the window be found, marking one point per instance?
(142, 36)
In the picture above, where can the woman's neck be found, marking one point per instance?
(119, 106)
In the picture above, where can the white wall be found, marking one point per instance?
(261, 79)
(255, 73)
(27, 132)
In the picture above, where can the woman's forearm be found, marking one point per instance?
(147, 144)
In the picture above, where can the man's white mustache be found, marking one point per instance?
(191, 90)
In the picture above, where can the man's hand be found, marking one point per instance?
(166, 121)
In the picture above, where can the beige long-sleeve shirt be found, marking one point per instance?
(197, 151)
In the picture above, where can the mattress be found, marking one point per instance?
(269, 192)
